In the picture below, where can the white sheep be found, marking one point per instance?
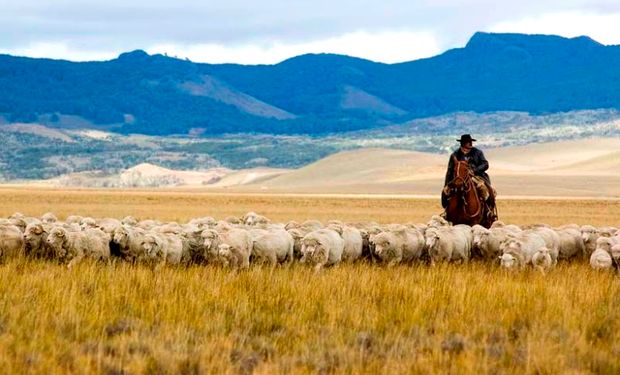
(571, 242)
(72, 247)
(252, 218)
(129, 240)
(275, 247)
(162, 247)
(486, 242)
(601, 260)
(437, 221)
(589, 234)
(11, 241)
(48, 218)
(353, 241)
(321, 248)
(450, 244)
(238, 243)
(398, 245)
(541, 260)
(35, 238)
(523, 246)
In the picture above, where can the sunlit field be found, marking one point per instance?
(132, 319)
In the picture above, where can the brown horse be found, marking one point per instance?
(465, 204)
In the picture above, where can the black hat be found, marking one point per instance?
(465, 138)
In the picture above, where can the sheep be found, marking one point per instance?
(274, 247)
(48, 218)
(397, 246)
(615, 253)
(162, 247)
(486, 242)
(35, 241)
(523, 246)
(322, 248)
(437, 221)
(607, 231)
(238, 247)
(11, 241)
(368, 246)
(507, 227)
(551, 238)
(606, 243)
(73, 219)
(203, 222)
(509, 261)
(312, 224)
(129, 240)
(233, 220)
(252, 218)
(148, 224)
(108, 225)
(169, 228)
(74, 246)
(193, 244)
(129, 220)
(600, 260)
(297, 234)
(571, 243)
(353, 241)
(18, 222)
(235, 248)
(541, 260)
(589, 234)
(88, 222)
(452, 243)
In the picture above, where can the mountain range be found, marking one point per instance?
(138, 93)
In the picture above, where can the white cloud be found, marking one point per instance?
(386, 46)
(604, 28)
(59, 50)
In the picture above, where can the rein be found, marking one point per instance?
(468, 186)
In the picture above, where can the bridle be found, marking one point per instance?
(468, 184)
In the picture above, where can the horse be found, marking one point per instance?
(465, 204)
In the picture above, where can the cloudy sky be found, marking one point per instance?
(269, 31)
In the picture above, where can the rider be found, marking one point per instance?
(478, 164)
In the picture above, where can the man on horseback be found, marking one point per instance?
(478, 165)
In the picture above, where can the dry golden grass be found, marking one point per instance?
(351, 319)
(118, 318)
(180, 205)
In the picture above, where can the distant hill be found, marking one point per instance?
(310, 94)
(577, 168)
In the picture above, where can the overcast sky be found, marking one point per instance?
(269, 31)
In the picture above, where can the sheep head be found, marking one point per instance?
(210, 239)
(34, 234)
(56, 240)
(121, 236)
(225, 254)
(152, 245)
(508, 261)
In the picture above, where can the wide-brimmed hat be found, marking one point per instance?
(465, 138)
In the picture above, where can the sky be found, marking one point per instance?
(269, 31)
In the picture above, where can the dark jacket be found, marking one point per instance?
(477, 162)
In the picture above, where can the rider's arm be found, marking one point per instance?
(482, 164)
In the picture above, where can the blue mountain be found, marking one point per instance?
(314, 93)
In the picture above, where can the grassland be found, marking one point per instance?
(118, 318)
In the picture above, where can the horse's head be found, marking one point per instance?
(461, 174)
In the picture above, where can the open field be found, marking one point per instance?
(123, 319)
(182, 205)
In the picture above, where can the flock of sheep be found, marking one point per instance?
(237, 242)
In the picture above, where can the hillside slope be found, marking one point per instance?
(310, 94)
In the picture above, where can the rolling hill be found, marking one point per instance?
(568, 168)
(310, 94)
